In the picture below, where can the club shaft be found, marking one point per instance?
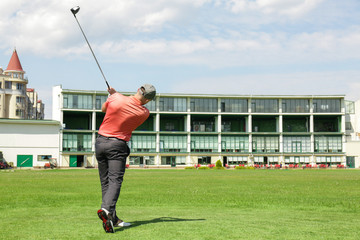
(92, 52)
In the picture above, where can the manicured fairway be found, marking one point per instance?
(184, 204)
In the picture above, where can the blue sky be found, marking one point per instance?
(263, 47)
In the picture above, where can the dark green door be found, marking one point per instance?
(350, 162)
(24, 161)
(73, 161)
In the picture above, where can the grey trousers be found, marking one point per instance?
(111, 154)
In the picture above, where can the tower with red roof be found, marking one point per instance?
(14, 100)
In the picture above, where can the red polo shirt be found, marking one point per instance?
(123, 115)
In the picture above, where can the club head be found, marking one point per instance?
(75, 10)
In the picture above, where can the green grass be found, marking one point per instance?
(184, 204)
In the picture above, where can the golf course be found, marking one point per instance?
(184, 204)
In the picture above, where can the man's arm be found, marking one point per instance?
(104, 106)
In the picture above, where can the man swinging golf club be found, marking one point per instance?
(123, 114)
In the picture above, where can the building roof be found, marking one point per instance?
(14, 63)
(26, 121)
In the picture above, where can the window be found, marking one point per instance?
(8, 84)
(77, 142)
(20, 86)
(234, 105)
(236, 160)
(348, 126)
(44, 157)
(265, 144)
(77, 101)
(264, 105)
(20, 100)
(99, 100)
(327, 105)
(151, 105)
(297, 159)
(203, 105)
(328, 160)
(172, 104)
(169, 143)
(328, 144)
(235, 144)
(295, 105)
(296, 144)
(350, 107)
(20, 113)
(141, 160)
(204, 144)
(143, 143)
(173, 160)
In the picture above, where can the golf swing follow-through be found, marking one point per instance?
(123, 114)
(74, 11)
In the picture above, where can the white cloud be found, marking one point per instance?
(290, 8)
(151, 32)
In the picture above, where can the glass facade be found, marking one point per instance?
(100, 99)
(234, 105)
(328, 144)
(328, 159)
(173, 143)
(327, 105)
(203, 105)
(265, 144)
(265, 105)
(173, 160)
(143, 143)
(77, 142)
(236, 160)
(142, 160)
(295, 105)
(151, 105)
(186, 130)
(76, 101)
(204, 144)
(297, 159)
(297, 144)
(172, 104)
(235, 144)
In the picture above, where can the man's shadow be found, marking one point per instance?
(156, 220)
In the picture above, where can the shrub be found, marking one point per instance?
(218, 165)
(204, 168)
(250, 167)
(240, 167)
(190, 167)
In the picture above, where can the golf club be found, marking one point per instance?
(74, 11)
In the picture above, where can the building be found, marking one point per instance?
(15, 101)
(29, 143)
(188, 129)
(35, 107)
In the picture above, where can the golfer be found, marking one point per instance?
(123, 114)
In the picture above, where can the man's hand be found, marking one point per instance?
(111, 90)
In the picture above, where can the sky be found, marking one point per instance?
(260, 47)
